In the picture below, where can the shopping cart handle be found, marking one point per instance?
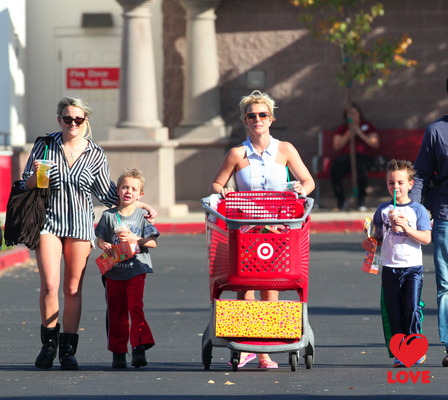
(293, 223)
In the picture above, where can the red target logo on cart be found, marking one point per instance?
(265, 251)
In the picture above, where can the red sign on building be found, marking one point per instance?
(93, 78)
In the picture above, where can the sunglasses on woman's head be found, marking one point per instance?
(69, 120)
(261, 115)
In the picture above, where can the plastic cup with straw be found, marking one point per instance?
(393, 214)
(120, 227)
(43, 179)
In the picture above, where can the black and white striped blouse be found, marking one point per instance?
(71, 212)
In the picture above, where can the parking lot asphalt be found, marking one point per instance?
(350, 362)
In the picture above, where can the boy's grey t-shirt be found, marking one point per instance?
(140, 263)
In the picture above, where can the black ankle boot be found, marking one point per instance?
(138, 357)
(119, 360)
(49, 338)
(68, 343)
(445, 360)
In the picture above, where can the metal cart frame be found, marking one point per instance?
(228, 229)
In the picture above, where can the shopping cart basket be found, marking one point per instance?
(258, 241)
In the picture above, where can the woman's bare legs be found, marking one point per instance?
(266, 295)
(76, 254)
(48, 254)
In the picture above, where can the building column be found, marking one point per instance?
(201, 98)
(138, 113)
(139, 140)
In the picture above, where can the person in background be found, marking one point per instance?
(431, 188)
(401, 231)
(80, 169)
(366, 139)
(125, 282)
(260, 164)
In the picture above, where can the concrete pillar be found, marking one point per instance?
(139, 140)
(201, 98)
(138, 95)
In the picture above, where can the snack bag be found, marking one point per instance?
(122, 251)
(370, 263)
(275, 229)
(125, 250)
(105, 263)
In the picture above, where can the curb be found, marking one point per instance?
(352, 226)
(185, 228)
(16, 255)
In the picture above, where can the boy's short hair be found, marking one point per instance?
(132, 173)
(400, 165)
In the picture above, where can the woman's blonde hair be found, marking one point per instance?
(256, 97)
(76, 102)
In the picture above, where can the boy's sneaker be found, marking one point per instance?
(398, 364)
(138, 357)
(119, 360)
(422, 360)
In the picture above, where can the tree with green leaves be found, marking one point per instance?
(348, 24)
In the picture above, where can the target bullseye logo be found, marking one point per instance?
(265, 251)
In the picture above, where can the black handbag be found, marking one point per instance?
(25, 213)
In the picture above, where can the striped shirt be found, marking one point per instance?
(71, 212)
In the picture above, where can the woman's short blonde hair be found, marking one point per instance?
(76, 102)
(256, 97)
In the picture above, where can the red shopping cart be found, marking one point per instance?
(258, 241)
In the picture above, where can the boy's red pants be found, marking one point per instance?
(125, 299)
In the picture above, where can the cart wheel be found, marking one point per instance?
(293, 361)
(207, 356)
(308, 361)
(235, 361)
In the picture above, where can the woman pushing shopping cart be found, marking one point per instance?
(258, 241)
(260, 163)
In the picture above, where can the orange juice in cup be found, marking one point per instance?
(43, 173)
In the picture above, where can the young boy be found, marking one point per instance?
(401, 234)
(125, 282)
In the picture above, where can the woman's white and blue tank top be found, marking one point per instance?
(262, 173)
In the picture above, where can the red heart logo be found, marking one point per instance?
(408, 349)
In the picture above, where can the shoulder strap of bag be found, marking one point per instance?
(47, 139)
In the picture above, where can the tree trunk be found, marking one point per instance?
(354, 170)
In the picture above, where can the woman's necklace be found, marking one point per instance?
(72, 155)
